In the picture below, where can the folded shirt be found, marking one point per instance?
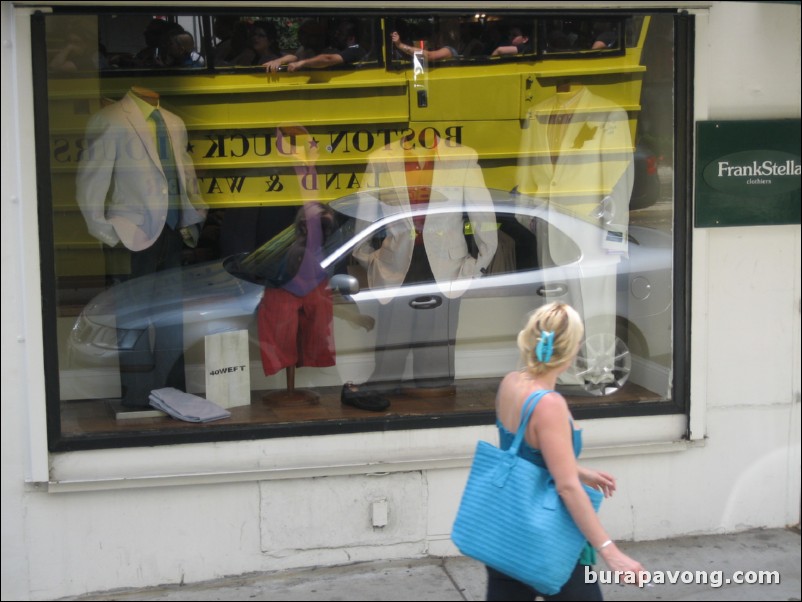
(185, 406)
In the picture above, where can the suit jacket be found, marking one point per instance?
(120, 185)
(457, 181)
(593, 174)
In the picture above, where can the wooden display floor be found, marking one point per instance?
(472, 400)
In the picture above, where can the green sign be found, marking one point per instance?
(748, 173)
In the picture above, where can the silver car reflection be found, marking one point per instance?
(223, 296)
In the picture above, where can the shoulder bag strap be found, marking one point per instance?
(526, 413)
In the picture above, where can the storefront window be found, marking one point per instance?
(278, 224)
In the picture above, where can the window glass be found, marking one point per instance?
(286, 203)
(456, 39)
(581, 34)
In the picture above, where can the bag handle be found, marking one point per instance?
(526, 413)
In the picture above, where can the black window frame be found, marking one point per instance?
(684, 31)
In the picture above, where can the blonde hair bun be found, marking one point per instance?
(556, 328)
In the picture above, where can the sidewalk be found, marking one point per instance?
(464, 579)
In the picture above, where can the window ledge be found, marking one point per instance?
(334, 455)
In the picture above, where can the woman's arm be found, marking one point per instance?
(597, 479)
(321, 61)
(438, 55)
(431, 55)
(550, 427)
(63, 60)
(505, 51)
(276, 63)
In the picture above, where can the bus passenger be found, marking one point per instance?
(312, 40)
(347, 50)
(149, 56)
(264, 43)
(606, 35)
(238, 52)
(518, 43)
(261, 46)
(223, 31)
(158, 36)
(444, 46)
(181, 51)
(471, 35)
(81, 53)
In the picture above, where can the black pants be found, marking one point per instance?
(155, 359)
(502, 587)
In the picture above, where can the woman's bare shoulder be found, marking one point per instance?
(511, 385)
(511, 377)
(552, 406)
(508, 391)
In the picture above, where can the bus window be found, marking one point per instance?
(459, 39)
(281, 41)
(133, 42)
(513, 37)
(436, 38)
(575, 35)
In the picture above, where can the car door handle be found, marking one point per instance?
(426, 303)
(552, 290)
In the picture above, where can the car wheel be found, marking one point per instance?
(603, 364)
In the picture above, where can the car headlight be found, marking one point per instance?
(86, 332)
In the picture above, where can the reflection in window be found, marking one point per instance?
(152, 43)
(280, 41)
(580, 34)
(573, 169)
(464, 38)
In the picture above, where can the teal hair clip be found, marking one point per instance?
(545, 346)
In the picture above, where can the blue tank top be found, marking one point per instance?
(526, 451)
(535, 456)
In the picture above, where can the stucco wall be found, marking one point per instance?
(130, 518)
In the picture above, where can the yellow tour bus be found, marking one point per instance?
(277, 136)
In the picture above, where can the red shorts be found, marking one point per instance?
(296, 331)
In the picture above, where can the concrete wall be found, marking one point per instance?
(96, 520)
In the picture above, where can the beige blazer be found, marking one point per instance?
(457, 181)
(593, 174)
(120, 185)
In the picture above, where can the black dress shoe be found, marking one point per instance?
(364, 400)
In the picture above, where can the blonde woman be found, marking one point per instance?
(549, 343)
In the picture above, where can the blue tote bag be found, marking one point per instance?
(512, 519)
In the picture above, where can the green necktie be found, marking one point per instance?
(168, 165)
